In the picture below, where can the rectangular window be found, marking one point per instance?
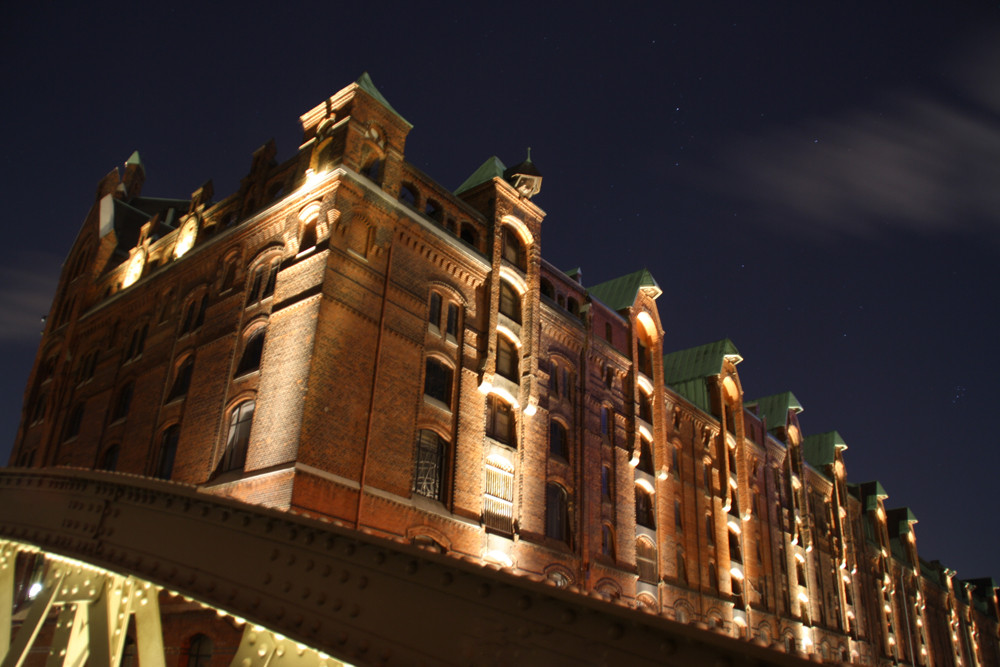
(501, 421)
(437, 381)
(678, 521)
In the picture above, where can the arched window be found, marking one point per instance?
(408, 194)
(253, 351)
(434, 310)
(573, 306)
(645, 407)
(200, 650)
(309, 235)
(432, 209)
(235, 455)
(510, 301)
(645, 559)
(513, 249)
(438, 381)
(428, 478)
(469, 234)
(373, 169)
(182, 380)
(508, 360)
(123, 402)
(644, 509)
(547, 289)
(500, 420)
(109, 461)
(556, 513)
(168, 450)
(558, 440)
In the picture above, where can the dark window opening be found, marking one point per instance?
(373, 170)
(678, 517)
(606, 482)
(434, 311)
(469, 234)
(183, 379)
(607, 541)
(74, 422)
(735, 553)
(558, 441)
(645, 457)
(556, 513)
(713, 577)
(710, 529)
(110, 459)
(645, 407)
(137, 342)
(408, 194)
(437, 381)
(547, 289)
(168, 450)
(253, 351)
(123, 402)
(451, 328)
(432, 209)
(309, 236)
(272, 279)
(573, 306)
(644, 509)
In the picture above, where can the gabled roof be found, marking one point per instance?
(820, 449)
(774, 409)
(492, 168)
(620, 293)
(685, 370)
(365, 83)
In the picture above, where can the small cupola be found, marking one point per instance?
(525, 178)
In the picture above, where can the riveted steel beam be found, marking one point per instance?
(336, 591)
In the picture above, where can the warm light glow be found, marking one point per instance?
(736, 572)
(485, 387)
(35, 589)
(517, 282)
(497, 556)
(799, 557)
(645, 485)
(504, 394)
(644, 432)
(509, 335)
(519, 227)
(803, 598)
(646, 320)
(530, 409)
(735, 527)
(645, 384)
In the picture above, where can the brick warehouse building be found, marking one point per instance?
(345, 338)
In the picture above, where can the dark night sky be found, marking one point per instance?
(819, 182)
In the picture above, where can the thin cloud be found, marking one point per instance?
(924, 165)
(26, 289)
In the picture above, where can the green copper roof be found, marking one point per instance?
(774, 409)
(620, 293)
(870, 493)
(685, 370)
(135, 159)
(365, 83)
(820, 449)
(487, 171)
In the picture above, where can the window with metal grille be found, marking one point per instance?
(498, 501)
(428, 477)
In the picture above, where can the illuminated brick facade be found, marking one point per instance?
(345, 338)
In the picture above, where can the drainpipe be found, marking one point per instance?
(371, 400)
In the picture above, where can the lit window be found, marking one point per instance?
(428, 478)
(500, 424)
(235, 455)
(510, 302)
(513, 249)
(438, 381)
(644, 509)
(507, 359)
(498, 501)
(556, 513)
(168, 450)
(645, 559)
